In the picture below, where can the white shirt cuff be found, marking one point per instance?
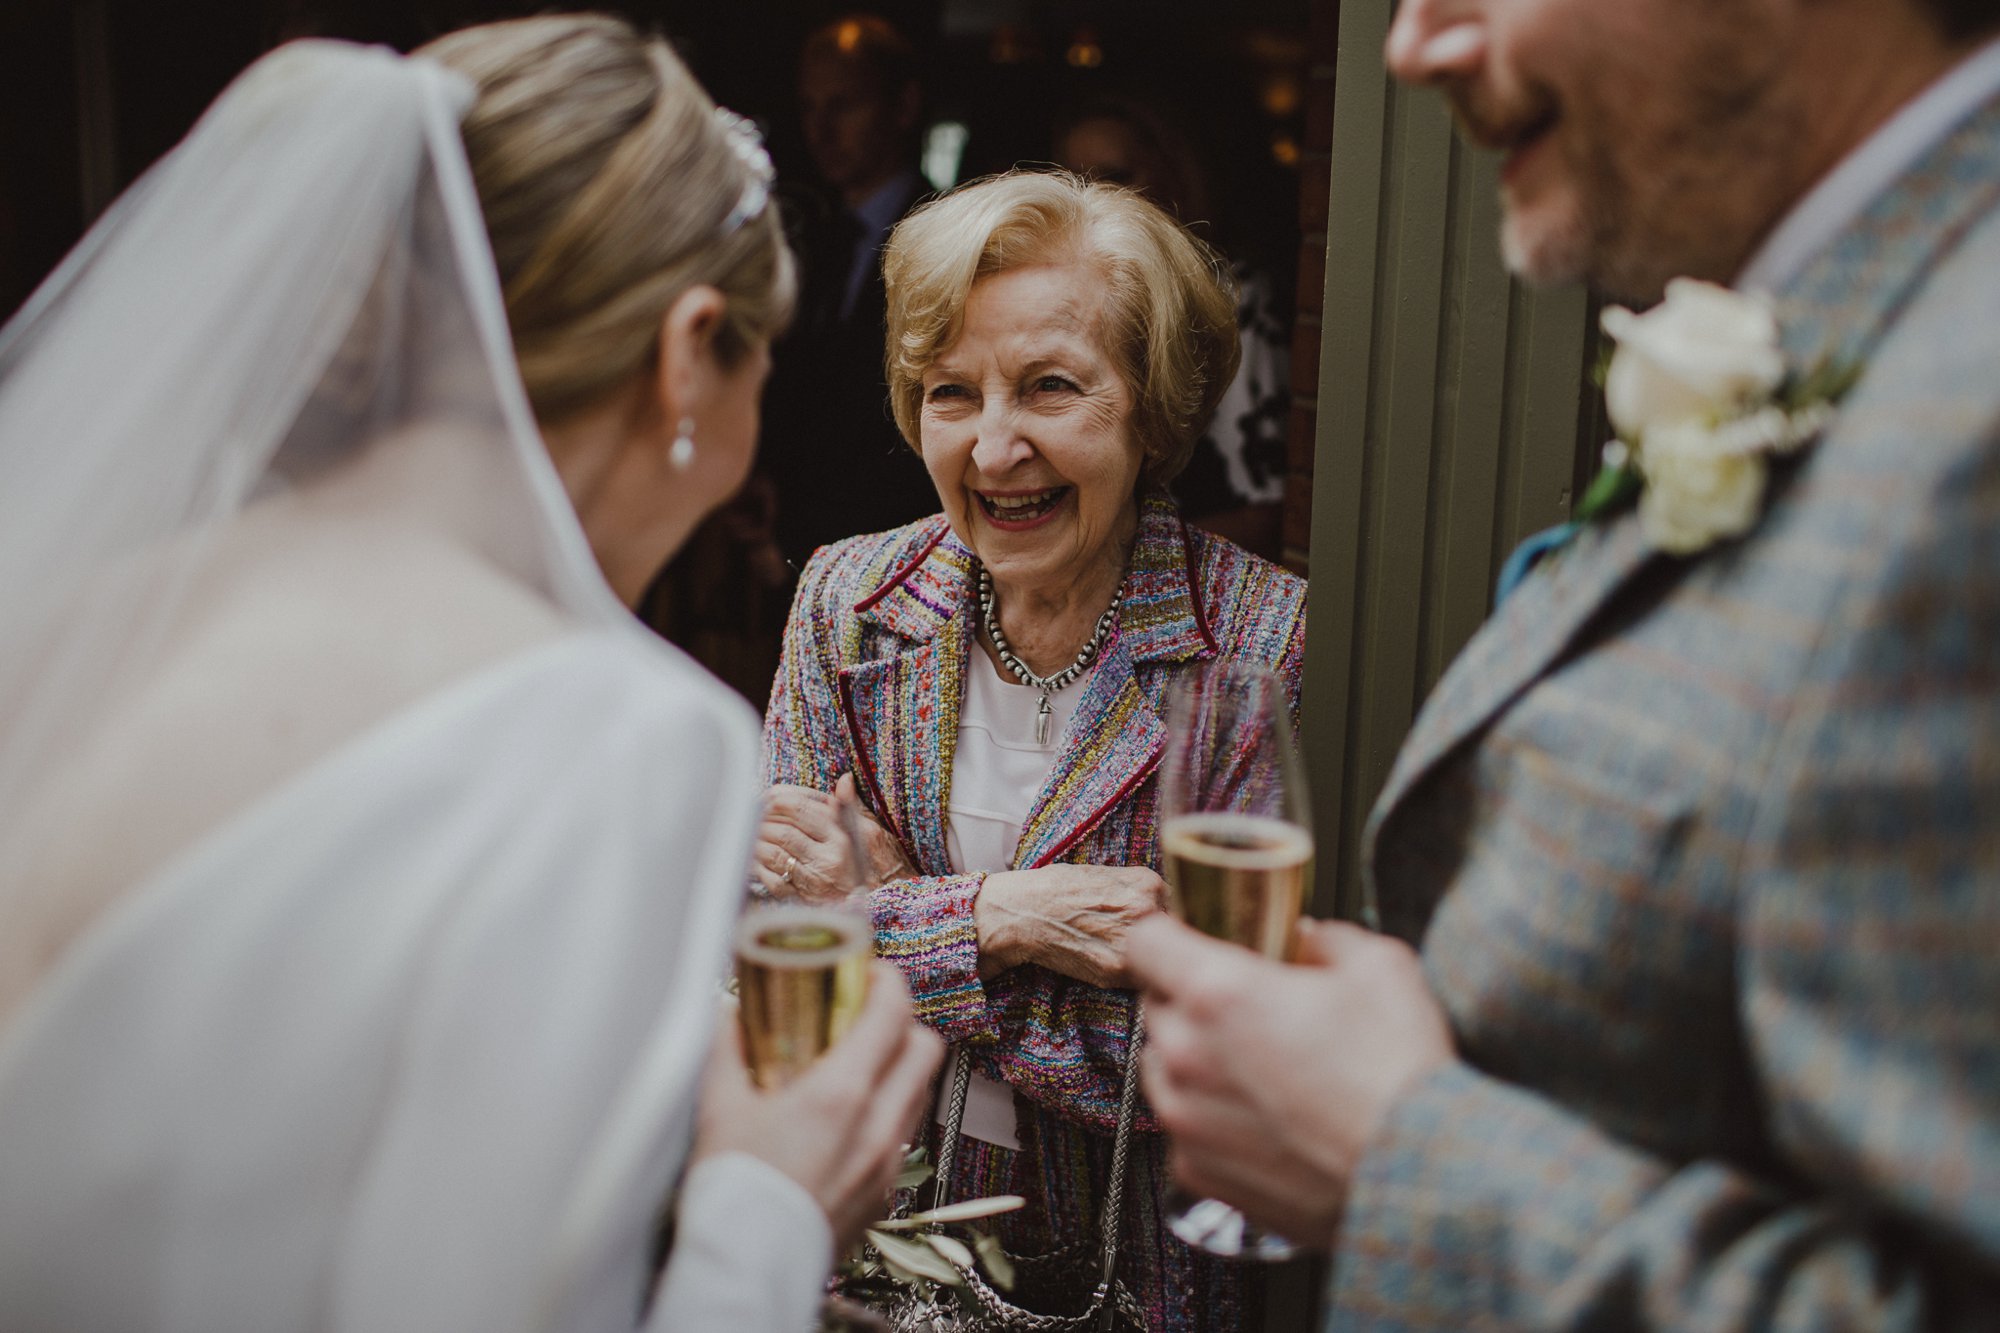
(751, 1251)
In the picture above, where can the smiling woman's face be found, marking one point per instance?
(1027, 431)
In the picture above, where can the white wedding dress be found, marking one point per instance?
(408, 1036)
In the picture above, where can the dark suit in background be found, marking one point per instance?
(829, 447)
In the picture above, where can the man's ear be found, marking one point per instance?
(687, 368)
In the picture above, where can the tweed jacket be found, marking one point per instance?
(870, 682)
(1718, 842)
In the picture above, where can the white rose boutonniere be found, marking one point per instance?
(1701, 397)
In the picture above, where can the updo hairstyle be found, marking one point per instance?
(1169, 321)
(607, 186)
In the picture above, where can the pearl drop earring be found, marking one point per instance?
(681, 452)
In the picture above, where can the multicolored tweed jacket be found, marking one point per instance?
(872, 676)
(1721, 845)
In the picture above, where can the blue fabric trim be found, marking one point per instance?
(1528, 554)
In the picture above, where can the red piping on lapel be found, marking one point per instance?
(896, 579)
(1077, 835)
(867, 767)
(1194, 590)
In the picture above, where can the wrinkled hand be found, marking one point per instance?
(1271, 1078)
(1070, 919)
(801, 832)
(839, 1128)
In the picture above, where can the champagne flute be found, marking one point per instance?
(802, 970)
(1236, 841)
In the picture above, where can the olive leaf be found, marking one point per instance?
(912, 1259)
(915, 1171)
(956, 1212)
(953, 1250)
(993, 1256)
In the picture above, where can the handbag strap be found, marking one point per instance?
(1110, 1219)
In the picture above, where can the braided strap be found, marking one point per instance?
(1110, 1303)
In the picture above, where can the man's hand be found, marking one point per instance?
(1271, 1077)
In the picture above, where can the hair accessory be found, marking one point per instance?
(748, 145)
(681, 452)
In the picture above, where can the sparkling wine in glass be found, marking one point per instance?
(802, 971)
(1236, 841)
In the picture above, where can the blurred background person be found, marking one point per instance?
(1234, 484)
(366, 871)
(831, 463)
(836, 463)
(992, 680)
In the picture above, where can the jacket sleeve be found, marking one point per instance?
(804, 742)
(924, 924)
(1868, 976)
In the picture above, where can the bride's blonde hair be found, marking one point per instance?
(609, 189)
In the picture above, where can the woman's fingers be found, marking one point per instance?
(810, 812)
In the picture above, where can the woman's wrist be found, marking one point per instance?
(993, 919)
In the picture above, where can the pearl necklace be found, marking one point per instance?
(989, 610)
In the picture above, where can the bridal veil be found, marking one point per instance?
(266, 1081)
(306, 276)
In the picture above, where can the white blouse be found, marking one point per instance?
(997, 772)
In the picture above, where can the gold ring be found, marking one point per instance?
(791, 864)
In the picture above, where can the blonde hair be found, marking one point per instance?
(608, 187)
(1170, 304)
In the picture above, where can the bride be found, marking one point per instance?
(366, 872)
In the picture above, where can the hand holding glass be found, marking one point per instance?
(1237, 845)
(802, 971)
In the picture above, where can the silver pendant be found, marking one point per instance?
(1043, 716)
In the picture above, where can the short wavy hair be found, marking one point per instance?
(1170, 309)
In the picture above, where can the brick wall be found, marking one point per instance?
(1315, 180)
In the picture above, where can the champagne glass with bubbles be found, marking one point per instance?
(1236, 842)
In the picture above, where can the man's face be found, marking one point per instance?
(854, 129)
(1644, 139)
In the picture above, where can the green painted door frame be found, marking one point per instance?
(1452, 402)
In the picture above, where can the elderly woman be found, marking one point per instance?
(991, 681)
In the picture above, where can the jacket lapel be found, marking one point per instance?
(1114, 742)
(1521, 640)
(1837, 307)
(901, 709)
(1111, 746)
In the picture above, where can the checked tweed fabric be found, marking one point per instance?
(1705, 856)
(872, 675)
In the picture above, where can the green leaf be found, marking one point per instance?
(916, 1170)
(1611, 489)
(954, 1251)
(1827, 382)
(966, 1211)
(914, 1259)
(993, 1256)
(1601, 371)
